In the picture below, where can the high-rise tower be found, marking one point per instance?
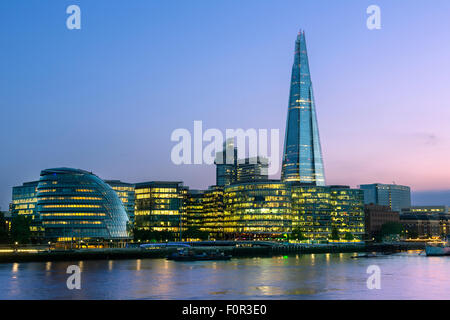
(302, 157)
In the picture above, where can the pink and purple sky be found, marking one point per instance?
(106, 98)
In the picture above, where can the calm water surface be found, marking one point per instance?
(312, 276)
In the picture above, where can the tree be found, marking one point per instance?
(4, 232)
(20, 229)
(349, 236)
(297, 234)
(334, 234)
(391, 228)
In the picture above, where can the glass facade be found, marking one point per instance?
(311, 211)
(302, 157)
(257, 210)
(316, 210)
(125, 192)
(24, 202)
(347, 214)
(159, 206)
(252, 169)
(77, 205)
(230, 169)
(397, 197)
(213, 212)
(193, 209)
(226, 163)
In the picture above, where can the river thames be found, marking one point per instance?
(311, 276)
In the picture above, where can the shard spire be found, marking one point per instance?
(302, 156)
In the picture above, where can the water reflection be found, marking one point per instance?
(315, 276)
(138, 265)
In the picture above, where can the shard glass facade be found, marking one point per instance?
(302, 157)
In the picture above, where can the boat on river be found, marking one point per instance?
(189, 255)
(438, 248)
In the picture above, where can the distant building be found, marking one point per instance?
(252, 169)
(159, 206)
(425, 226)
(230, 169)
(125, 191)
(427, 210)
(24, 203)
(397, 197)
(426, 221)
(226, 164)
(77, 205)
(377, 215)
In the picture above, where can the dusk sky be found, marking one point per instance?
(106, 98)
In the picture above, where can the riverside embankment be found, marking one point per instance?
(237, 250)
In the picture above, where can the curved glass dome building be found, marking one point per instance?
(76, 204)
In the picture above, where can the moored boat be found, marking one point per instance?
(188, 255)
(438, 249)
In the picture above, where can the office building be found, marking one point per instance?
(75, 204)
(302, 157)
(375, 217)
(226, 164)
(316, 210)
(257, 210)
(125, 192)
(194, 210)
(213, 212)
(24, 203)
(425, 226)
(252, 169)
(159, 206)
(347, 214)
(311, 210)
(427, 210)
(397, 197)
(230, 169)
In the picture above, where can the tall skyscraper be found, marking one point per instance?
(230, 169)
(226, 162)
(302, 157)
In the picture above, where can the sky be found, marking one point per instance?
(106, 98)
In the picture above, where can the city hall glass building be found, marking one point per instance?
(302, 157)
(125, 192)
(75, 204)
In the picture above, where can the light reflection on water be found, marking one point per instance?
(312, 276)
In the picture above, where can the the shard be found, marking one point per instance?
(302, 156)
